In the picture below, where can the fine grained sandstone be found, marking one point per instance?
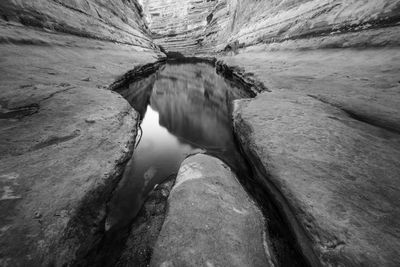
(64, 139)
(117, 21)
(338, 177)
(64, 136)
(212, 26)
(211, 221)
(323, 137)
(325, 142)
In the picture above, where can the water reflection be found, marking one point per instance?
(185, 108)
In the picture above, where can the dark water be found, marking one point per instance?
(185, 109)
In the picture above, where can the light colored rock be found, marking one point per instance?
(250, 22)
(335, 178)
(203, 26)
(211, 221)
(178, 25)
(363, 83)
(62, 145)
(119, 21)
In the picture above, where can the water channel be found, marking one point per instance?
(185, 108)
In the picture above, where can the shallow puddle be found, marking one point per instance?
(185, 109)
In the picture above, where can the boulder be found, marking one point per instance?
(210, 220)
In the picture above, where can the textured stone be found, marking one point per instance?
(326, 138)
(178, 25)
(335, 178)
(62, 145)
(211, 220)
(209, 26)
(117, 21)
(363, 83)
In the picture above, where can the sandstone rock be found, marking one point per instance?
(57, 170)
(362, 83)
(119, 21)
(335, 178)
(178, 25)
(211, 220)
(327, 137)
(193, 27)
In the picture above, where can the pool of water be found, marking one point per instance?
(185, 109)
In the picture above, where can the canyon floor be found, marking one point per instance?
(323, 138)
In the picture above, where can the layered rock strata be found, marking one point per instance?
(117, 21)
(178, 25)
(230, 24)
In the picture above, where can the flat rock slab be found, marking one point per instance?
(337, 178)
(63, 141)
(364, 83)
(211, 221)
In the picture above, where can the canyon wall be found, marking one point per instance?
(231, 24)
(116, 21)
(178, 25)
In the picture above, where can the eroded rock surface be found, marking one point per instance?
(325, 141)
(363, 83)
(63, 141)
(337, 176)
(117, 21)
(206, 26)
(211, 220)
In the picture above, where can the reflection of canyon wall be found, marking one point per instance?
(230, 24)
(138, 93)
(193, 103)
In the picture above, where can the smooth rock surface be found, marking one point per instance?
(210, 221)
(63, 141)
(336, 178)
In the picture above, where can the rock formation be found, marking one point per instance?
(117, 21)
(322, 134)
(211, 220)
(64, 136)
(214, 26)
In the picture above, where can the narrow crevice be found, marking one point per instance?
(106, 248)
(285, 246)
(85, 229)
(20, 112)
(132, 244)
